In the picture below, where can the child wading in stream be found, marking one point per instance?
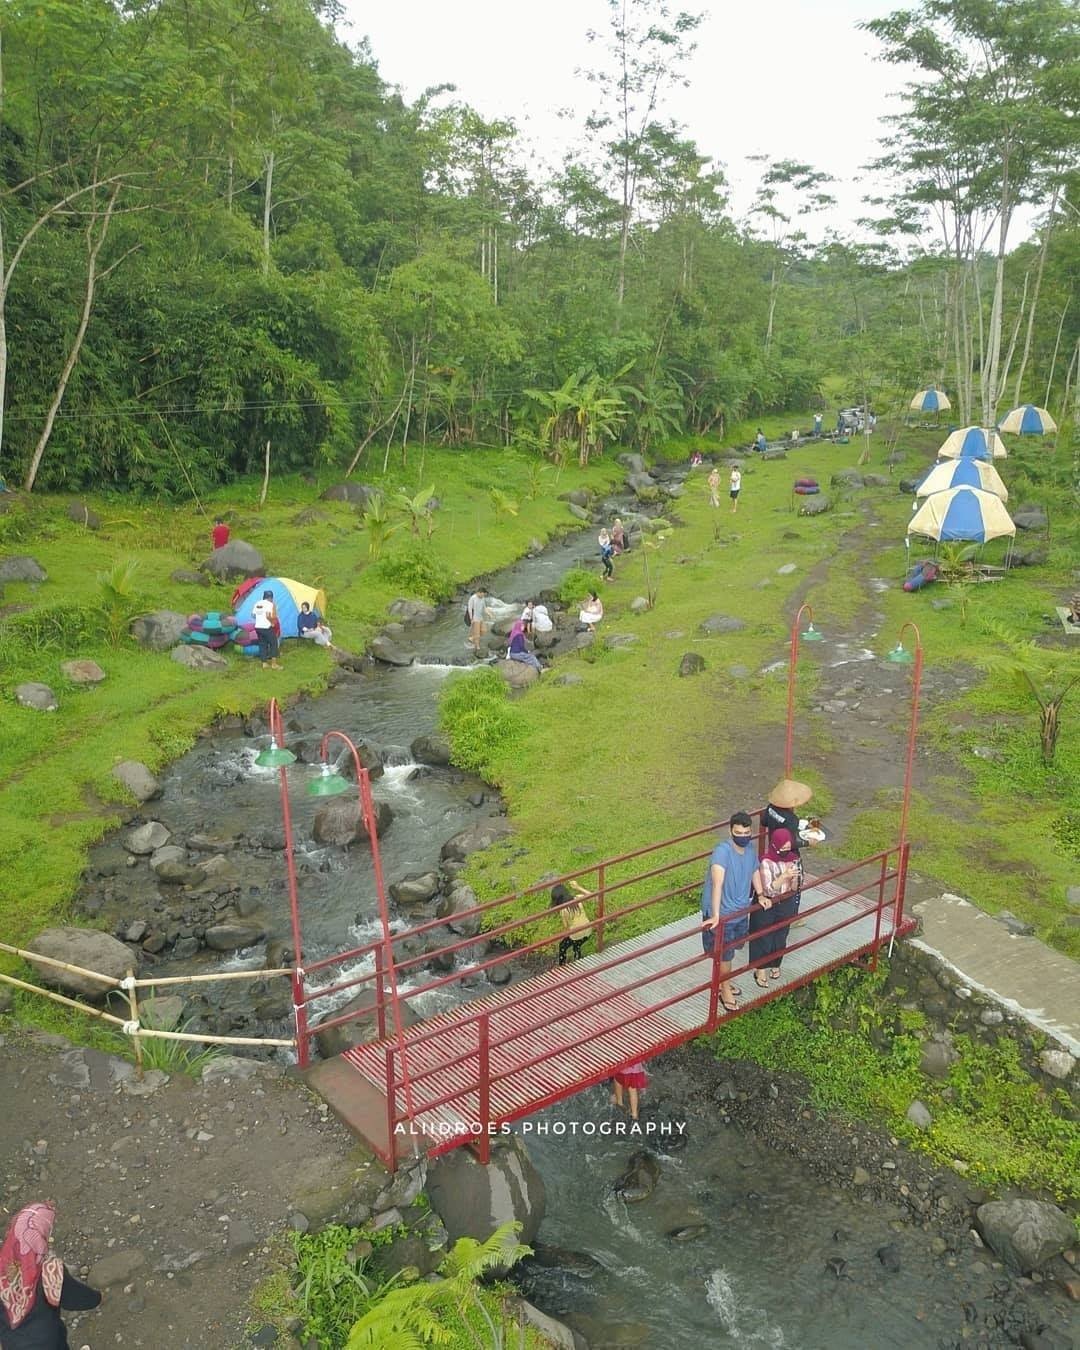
(634, 1078)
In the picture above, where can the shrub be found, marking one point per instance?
(576, 585)
(476, 714)
(417, 571)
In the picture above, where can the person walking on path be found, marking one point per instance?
(591, 612)
(713, 481)
(476, 610)
(267, 630)
(34, 1284)
(781, 882)
(634, 1078)
(760, 443)
(220, 533)
(735, 487)
(607, 552)
(732, 881)
(618, 537)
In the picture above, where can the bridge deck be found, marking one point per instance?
(587, 1045)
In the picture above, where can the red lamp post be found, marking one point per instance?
(902, 657)
(331, 784)
(811, 634)
(278, 757)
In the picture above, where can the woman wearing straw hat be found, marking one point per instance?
(780, 815)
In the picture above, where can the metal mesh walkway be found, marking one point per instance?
(549, 1038)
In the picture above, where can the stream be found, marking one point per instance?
(785, 1261)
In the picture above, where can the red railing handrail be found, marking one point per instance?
(606, 996)
(625, 957)
(408, 933)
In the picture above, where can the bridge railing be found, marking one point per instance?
(474, 1098)
(480, 915)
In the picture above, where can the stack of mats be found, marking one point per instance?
(215, 630)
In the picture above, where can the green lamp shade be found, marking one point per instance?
(900, 656)
(274, 757)
(328, 784)
(813, 635)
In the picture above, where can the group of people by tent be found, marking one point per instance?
(265, 611)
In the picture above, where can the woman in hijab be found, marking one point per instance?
(517, 651)
(781, 882)
(34, 1284)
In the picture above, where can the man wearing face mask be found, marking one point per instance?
(732, 881)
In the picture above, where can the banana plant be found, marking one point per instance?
(417, 510)
(380, 528)
(503, 505)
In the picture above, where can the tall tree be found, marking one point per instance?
(647, 48)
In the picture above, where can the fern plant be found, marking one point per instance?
(418, 1315)
(119, 600)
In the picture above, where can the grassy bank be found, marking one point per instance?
(59, 795)
(633, 753)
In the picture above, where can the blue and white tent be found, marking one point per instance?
(1027, 420)
(962, 513)
(975, 443)
(929, 400)
(967, 471)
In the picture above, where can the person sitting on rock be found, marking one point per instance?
(517, 650)
(591, 612)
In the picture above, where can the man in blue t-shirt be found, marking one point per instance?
(732, 881)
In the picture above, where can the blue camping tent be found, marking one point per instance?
(288, 597)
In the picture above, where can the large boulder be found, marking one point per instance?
(517, 674)
(147, 839)
(158, 631)
(631, 463)
(638, 481)
(138, 780)
(578, 512)
(481, 835)
(1030, 518)
(691, 664)
(413, 611)
(878, 480)
(184, 576)
(198, 658)
(336, 1040)
(81, 514)
(1025, 1234)
(415, 889)
(82, 671)
(814, 506)
(847, 478)
(235, 559)
(458, 903)
(338, 822)
(22, 568)
(389, 653)
(85, 947)
(720, 623)
(357, 494)
(35, 695)
(473, 1200)
(431, 748)
(234, 937)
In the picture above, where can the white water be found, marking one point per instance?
(746, 1325)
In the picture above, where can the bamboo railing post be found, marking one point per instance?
(133, 1004)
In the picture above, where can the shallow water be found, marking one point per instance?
(758, 1277)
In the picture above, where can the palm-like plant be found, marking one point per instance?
(417, 510)
(119, 600)
(1046, 673)
(376, 520)
(503, 504)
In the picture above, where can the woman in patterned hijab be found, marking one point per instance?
(34, 1285)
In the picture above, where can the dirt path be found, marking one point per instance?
(168, 1193)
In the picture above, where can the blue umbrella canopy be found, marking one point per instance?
(967, 471)
(973, 442)
(929, 400)
(1027, 420)
(964, 513)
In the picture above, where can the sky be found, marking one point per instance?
(791, 79)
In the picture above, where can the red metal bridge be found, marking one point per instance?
(457, 1076)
